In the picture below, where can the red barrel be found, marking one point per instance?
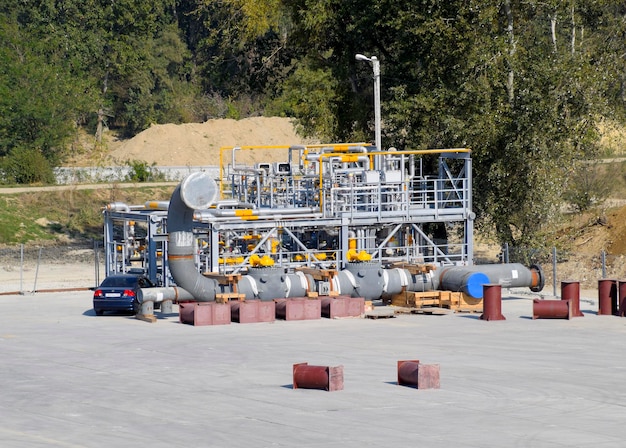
(607, 297)
(570, 290)
(551, 309)
(621, 288)
(492, 302)
(408, 373)
(317, 377)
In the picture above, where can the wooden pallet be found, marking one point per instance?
(318, 274)
(430, 311)
(380, 313)
(227, 297)
(230, 280)
(414, 268)
(455, 301)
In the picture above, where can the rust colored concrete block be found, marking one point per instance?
(221, 313)
(298, 308)
(244, 312)
(355, 306)
(342, 306)
(333, 308)
(267, 311)
(415, 374)
(204, 313)
(287, 310)
(317, 377)
(312, 309)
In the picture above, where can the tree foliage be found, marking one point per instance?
(522, 83)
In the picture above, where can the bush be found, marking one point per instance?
(140, 171)
(588, 185)
(26, 166)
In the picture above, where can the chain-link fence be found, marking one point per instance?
(26, 269)
(559, 266)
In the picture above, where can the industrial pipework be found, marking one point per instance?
(196, 196)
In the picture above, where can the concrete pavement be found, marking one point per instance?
(71, 379)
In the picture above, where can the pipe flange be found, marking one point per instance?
(198, 191)
(541, 278)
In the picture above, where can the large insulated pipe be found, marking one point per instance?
(196, 191)
(460, 279)
(470, 279)
(370, 281)
(268, 283)
(162, 294)
(361, 280)
(424, 281)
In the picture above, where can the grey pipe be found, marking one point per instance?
(470, 279)
(210, 216)
(262, 212)
(370, 281)
(157, 205)
(172, 293)
(196, 191)
(233, 203)
(361, 279)
(268, 283)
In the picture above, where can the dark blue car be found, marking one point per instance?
(119, 293)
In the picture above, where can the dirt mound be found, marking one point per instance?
(198, 144)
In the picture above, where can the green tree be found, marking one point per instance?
(128, 53)
(508, 80)
(241, 47)
(39, 106)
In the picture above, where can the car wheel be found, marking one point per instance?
(99, 312)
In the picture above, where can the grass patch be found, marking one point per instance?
(70, 213)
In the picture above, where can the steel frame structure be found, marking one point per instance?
(317, 209)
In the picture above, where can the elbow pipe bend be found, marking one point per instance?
(196, 191)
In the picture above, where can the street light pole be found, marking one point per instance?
(376, 68)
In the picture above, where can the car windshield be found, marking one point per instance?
(126, 282)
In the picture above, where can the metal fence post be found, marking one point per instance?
(554, 271)
(97, 262)
(21, 268)
(603, 258)
(37, 271)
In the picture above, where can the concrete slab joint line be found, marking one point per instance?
(317, 377)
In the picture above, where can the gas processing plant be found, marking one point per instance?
(338, 219)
